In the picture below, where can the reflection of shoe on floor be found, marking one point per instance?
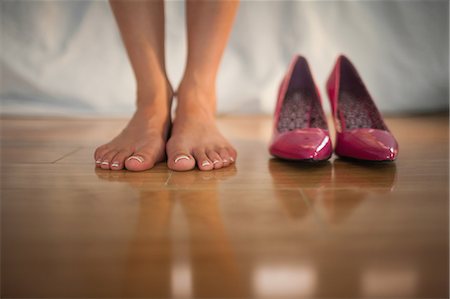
(287, 174)
(289, 177)
(370, 177)
(353, 181)
(339, 204)
(360, 130)
(300, 130)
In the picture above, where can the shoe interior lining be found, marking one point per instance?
(355, 103)
(301, 107)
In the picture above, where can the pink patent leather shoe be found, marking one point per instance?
(300, 129)
(360, 130)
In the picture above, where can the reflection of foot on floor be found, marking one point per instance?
(201, 178)
(195, 139)
(141, 180)
(142, 143)
(216, 273)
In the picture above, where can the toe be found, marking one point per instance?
(99, 153)
(107, 158)
(233, 154)
(180, 160)
(203, 161)
(118, 161)
(98, 163)
(215, 158)
(225, 156)
(140, 161)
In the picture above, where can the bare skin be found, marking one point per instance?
(142, 143)
(195, 139)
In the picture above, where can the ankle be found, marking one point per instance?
(195, 86)
(154, 87)
(151, 94)
(196, 101)
(204, 81)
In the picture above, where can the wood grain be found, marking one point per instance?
(263, 228)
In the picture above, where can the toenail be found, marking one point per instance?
(225, 161)
(115, 164)
(105, 163)
(182, 157)
(140, 159)
(216, 161)
(231, 159)
(206, 163)
(98, 162)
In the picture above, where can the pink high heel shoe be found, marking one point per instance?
(360, 130)
(300, 129)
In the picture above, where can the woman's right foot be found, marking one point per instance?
(142, 142)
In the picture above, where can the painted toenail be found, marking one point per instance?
(140, 159)
(206, 163)
(105, 163)
(98, 162)
(225, 161)
(115, 164)
(231, 159)
(182, 157)
(216, 161)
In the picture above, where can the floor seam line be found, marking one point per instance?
(66, 155)
(167, 181)
(314, 211)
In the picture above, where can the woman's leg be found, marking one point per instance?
(142, 143)
(195, 138)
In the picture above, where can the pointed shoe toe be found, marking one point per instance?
(300, 130)
(367, 144)
(307, 144)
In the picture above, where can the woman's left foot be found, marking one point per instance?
(195, 138)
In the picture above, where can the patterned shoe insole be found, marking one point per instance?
(300, 110)
(359, 111)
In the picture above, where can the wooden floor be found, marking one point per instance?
(263, 228)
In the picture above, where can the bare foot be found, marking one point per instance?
(195, 139)
(142, 143)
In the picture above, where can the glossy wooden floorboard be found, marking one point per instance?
(263, 228)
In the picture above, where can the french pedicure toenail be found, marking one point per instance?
(182, 157)
(105, 163)
(137, 158)
(98, 162)
(206, 163)
(231, 159)
(216, 161)
(115, 164)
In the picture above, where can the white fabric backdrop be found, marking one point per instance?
(66, 57)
